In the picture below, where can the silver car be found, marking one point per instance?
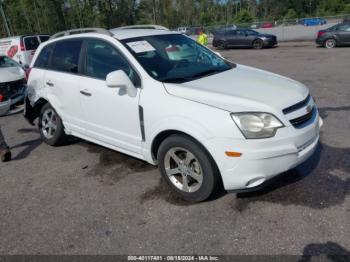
(12, 86)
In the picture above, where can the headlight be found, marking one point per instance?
(257, 125)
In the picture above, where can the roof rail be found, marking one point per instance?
(81, 31)
(159, 27)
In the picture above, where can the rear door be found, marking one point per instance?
(231, 37)
(242, 38)
(61, 83)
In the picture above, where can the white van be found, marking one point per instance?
(21, 48)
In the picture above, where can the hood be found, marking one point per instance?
(9, 74)
(241, 89)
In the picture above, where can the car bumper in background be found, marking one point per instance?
(320, 41)
(6, 107)
(264, 159)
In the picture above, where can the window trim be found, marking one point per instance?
(49, 60)
(83, 60)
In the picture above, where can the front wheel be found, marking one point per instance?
(258, 44)
(51, 126)
(188, 168)
(330, 43)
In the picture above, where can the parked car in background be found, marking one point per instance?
(12, 85)
(267, 25)
(243, 38)
(338, 35)
(312, 21)
(21, 48)
(346, 19)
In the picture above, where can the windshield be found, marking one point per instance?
(175, 58)
(7, 62)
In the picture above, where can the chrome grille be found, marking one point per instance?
(297, 106)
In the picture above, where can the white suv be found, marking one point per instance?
(159, 96)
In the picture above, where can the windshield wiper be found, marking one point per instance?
(193, 77)
(207, 73)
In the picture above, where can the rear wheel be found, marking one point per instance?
(188, 168)
(51, 127)
(330, 43)
(258, 44)
(222, 45)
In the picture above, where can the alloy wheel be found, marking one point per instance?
(183, 169)
(330, 43)
(49, 123)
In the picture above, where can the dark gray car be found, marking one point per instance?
(243, 38)
(338, 35)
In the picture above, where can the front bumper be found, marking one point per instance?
(263, 159)
(270, 42)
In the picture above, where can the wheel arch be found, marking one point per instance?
(32, 112)
(159, 138)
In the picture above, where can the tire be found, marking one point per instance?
(51, 127)
(258, 44)
(188, 168)
(222, 45)
(330, 43)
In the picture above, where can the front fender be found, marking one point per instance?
(178, 124)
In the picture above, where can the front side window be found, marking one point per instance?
(31, 42)
(43, 59)
(65, 56)
(102, 59)
(7, 62)
(175, 58)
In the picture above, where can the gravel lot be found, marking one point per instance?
(85, 199)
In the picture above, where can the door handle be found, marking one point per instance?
(49, 83)
(85, 93)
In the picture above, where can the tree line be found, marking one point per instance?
(50, 16)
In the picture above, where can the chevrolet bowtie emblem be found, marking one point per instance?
(309, 108)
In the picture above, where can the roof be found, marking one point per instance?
(122, 34)
(143, 27)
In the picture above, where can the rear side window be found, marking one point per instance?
(231, 32)
(44, 38)
(344, 27)
(43, 59)
(65, 56)
(31, 42)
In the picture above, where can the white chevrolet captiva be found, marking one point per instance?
(159, 96)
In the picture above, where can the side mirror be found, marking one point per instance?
(118, 79)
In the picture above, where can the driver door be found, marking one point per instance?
(111, 116)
